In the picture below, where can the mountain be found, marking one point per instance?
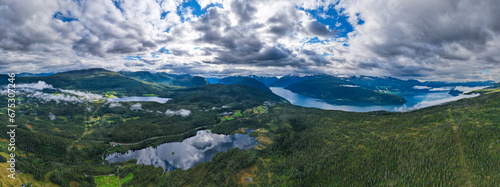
(286, 80)
(213, 80)
(455, 92)
(147, 76)
(436, 84)
(95, 79)
(264, 80)
(362, 149)
(497, 85)
(454, 143)
(385, 84)
(338, 91)
(236, 95)
(164, 78)
(189, 81)
(33, 75)
(244, 81)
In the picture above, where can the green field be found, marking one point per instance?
(111, 181)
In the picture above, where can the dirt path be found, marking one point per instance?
(466, 172)
(87, 131)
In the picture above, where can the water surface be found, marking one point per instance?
(415, 101)
(188, 153)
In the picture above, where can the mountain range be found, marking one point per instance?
(352, 90)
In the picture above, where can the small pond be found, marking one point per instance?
(188, 153)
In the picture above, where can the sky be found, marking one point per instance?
(455, 40)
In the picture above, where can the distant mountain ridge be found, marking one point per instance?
(383, 84)
(286, 81)
(335, 90)
(265, 80)
(34, 74)
(95, 79)
(247, 81)
(164, 78)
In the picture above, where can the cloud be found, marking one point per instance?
(464, 89)
(40, 85)
(421, 87)
(52, 117)
(83, 95)
(137, 106)
(181, 112)
(35, 90)
(113, 105)
(425, 38)
(424, 104)
(44, 97)
(319, 29)
(445, 40)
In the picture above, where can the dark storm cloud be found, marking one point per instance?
(134, 64)
(87, 45)
(284, 22)
(16, 32)
(368, 65)
(439, 37)
(239, 45)
(409, 71)
(317, 59)
(319, 29)
(244, 10)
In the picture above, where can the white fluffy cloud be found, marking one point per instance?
(449, 39)
(52, 116)
(35, 90)
(137, 106)
(113, 105)
(424, 104)
(181, 112)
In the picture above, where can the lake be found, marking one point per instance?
(186, 154)
(416, 101)
(137, 98)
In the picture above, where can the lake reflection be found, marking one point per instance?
(414, 101)
(136, 98)
(188, 153)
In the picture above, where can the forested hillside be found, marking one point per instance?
(455, 144)
(65, 143)
(338, 91)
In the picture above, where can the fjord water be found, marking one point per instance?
(188, 153)
(415, 101)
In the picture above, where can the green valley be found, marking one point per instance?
(64, 143)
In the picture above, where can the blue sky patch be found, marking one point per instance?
(333, 19)
(63, 18)
(195, 8)
(118, 5)
(133, 58)
(314, 40)
(327, 54)
(163, 14)
(163, 50)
